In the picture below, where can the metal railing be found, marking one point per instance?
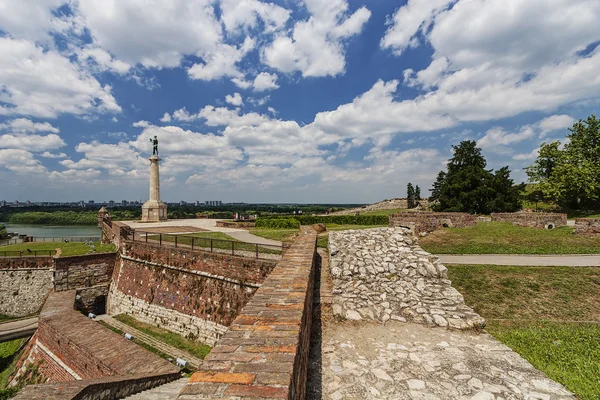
(45, 239)
(27, 253)
(186, 241)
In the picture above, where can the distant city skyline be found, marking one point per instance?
(309, 102)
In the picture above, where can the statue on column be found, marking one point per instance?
(154, 146)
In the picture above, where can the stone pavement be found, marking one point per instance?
(174, 352)
(409, 361)
(168, 391)
(18, 328)
(571, 260)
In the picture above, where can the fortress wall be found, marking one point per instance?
(532, 220)
(265, 352)
(194, 294)
(83, 271)
(431, 221)
(587, 226)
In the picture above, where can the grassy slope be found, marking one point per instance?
(283, 235)
(504, 238)
(196, 348)
(7, 350)
(534, 310)
(68, 249)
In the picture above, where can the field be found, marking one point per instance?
(549, 315)
(68, 249)
(504, 238)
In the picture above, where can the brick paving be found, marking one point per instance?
(265, 352)
(169, 350)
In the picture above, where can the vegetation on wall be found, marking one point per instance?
(3, 232)
(569, 174)
(468, 186)
(277, 223)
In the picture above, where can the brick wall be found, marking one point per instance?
(431, 221)
(265, 352)
(239, 268)
(587, 226)
(83, 271)
(26, 263)
(532, 220)
(86, 348)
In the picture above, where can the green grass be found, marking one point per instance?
(546, 314)
(219, 241)
(384, 212)
(7, 359)
(283, 235)
(193, 347)
(504, 238)
(68, 249)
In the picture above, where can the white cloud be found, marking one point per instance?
(497, 136)
(110, 157)
(221, 116)
(103, 60)
(555, 123)
(316, 46)
(183, 115)
(46, 84)
(141, 124)
(165, 118)
(235, 99)
(241, 83)
(221, 62)
(265, 81)
(414, 17)
(48, 154)
(24, 125)
(31, 20)
(31, 142)
(244, 14)
(527, 156)
(20, 161)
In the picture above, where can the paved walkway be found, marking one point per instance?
(571, 260)
(17, 329)
(207, 225)
(174, 352)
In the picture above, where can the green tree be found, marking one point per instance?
(417, 194)
(410, 195)
(3, 232)
(571, 176)
(437, 185)
(469, 187)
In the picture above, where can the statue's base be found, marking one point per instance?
(154, 211)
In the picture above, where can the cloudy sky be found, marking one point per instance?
(288, 101)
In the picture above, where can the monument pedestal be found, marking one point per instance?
(154, 210)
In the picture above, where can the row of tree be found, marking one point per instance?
(566, 174)
(413, 195)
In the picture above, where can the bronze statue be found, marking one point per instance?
(154, 146)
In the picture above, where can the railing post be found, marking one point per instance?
(175, 241)
(192, 243)
(146, 237)
(211, 245)
(160, 239)
(232, 248)
(256, 250)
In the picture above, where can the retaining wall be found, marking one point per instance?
(231, 224)
(430, 221)
(532, 220)
(587, 226)
(83, 271)
(265, 352)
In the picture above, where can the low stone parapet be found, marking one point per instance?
(265, 352)
(381, 274)
(587, 226)
(532, 220)
(420, 222)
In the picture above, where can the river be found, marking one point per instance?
(53, 230)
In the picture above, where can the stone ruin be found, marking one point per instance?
(381, 274)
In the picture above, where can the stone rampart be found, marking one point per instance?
(420, 222)
(81, 348)
(381, 274)
(23, 292)
(83, 271)
(265, 352)
(532, 220)
(587, 226)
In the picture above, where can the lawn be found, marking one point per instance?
(68, 249)
(549, 315)
(385, 212)
(191, 346)
(504, 238)
(283, 235)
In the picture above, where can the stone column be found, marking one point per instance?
(154, 210)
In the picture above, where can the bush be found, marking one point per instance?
(344, 219)
(277, 223)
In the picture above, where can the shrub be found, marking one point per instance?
(349, 219)
(277, 223)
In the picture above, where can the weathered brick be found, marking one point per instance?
(257, 391)
(222, 377)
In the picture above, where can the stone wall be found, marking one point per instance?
(532, 220)
(192, 293)
(381, 274)
(265, 352)
(90, 299)
(23, 292)
(83, 271)
(420, 222)
(587, 226)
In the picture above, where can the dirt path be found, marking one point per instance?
(571, 260)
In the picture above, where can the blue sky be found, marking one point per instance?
(315, 101)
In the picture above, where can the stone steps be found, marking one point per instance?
(168, 391)
(174, 352)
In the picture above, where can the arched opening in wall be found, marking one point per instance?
(100, 305)
(550, 226)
